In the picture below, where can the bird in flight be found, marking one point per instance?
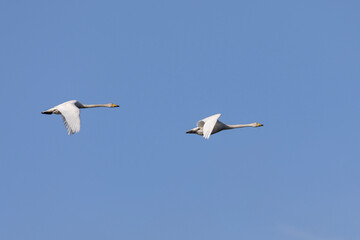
(70, 112)
(212, 125)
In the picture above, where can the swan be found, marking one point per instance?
(212, 125)
(70, 112)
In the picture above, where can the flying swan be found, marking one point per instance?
(212, 125)
(70, 112)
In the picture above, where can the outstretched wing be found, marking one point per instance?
(202, 122)
(71, 117)
(208, 125)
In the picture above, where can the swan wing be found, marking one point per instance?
(202, 122)
(71, 117)
(209, 124)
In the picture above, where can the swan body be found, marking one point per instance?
(212, 125)
(70, 112)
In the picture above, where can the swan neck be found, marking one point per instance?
(238, 126)
(94, 105)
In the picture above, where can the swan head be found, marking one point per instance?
(113, 105)
(256, 125)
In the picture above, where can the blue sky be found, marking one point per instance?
(132, 172)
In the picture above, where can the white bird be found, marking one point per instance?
(212, 125)
(70, 112)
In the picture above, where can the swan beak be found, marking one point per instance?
(114, 105)
(260, 125)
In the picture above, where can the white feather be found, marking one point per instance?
(71, 116)
(208, 125)
(70, 112)
(212, 125)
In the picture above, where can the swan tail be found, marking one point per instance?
(51, 111)
(194, 130)
(47, 112)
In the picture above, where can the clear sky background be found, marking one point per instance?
(132, 173)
